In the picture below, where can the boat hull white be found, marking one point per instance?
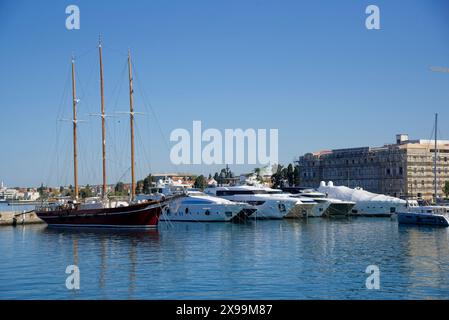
(376, 209)
(203, 213)
(302, 210)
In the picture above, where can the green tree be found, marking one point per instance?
(446, 189)
(277, 177)
(147, 183)
(119, 188)
(296, 176)
(41, 190)
(290, 175)
(200, 182)
(139, 187)
(86, 192)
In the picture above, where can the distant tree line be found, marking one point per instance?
(285, 176)
(222, 176)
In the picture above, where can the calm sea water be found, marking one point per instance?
(14, 207)
(315, 259)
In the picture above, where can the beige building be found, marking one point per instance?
(404, 169)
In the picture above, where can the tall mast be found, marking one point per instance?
(435, 157)
(131, 118)
(103, 129)
(75, 153)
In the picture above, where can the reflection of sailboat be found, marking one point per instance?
(428, 215)
(107, 252)
(103, 213)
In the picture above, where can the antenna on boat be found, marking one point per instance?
(75, 152)
(131, 119)
(441, 70)
(103, 128)
(435, 154)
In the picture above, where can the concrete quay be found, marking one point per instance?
(18, 218)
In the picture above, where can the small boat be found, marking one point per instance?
(425, 215)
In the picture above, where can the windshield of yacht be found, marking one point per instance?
(197, 193)
(313, 195)
(275, 192)
(239, 192)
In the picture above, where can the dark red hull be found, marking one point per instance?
(143, 215)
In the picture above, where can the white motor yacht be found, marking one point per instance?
(269, 204)
(196, 206)
(366, 203)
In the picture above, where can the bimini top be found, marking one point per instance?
(356, 195)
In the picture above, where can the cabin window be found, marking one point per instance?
(392, 210)
(207, 212)
(255, 203)
(187, 211)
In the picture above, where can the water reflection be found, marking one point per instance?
(108, 244)
(291, 259)
(426, 250)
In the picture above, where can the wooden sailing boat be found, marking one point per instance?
(103, 213)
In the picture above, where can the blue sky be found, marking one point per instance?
(308, 68)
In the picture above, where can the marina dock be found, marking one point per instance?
(18, 218)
